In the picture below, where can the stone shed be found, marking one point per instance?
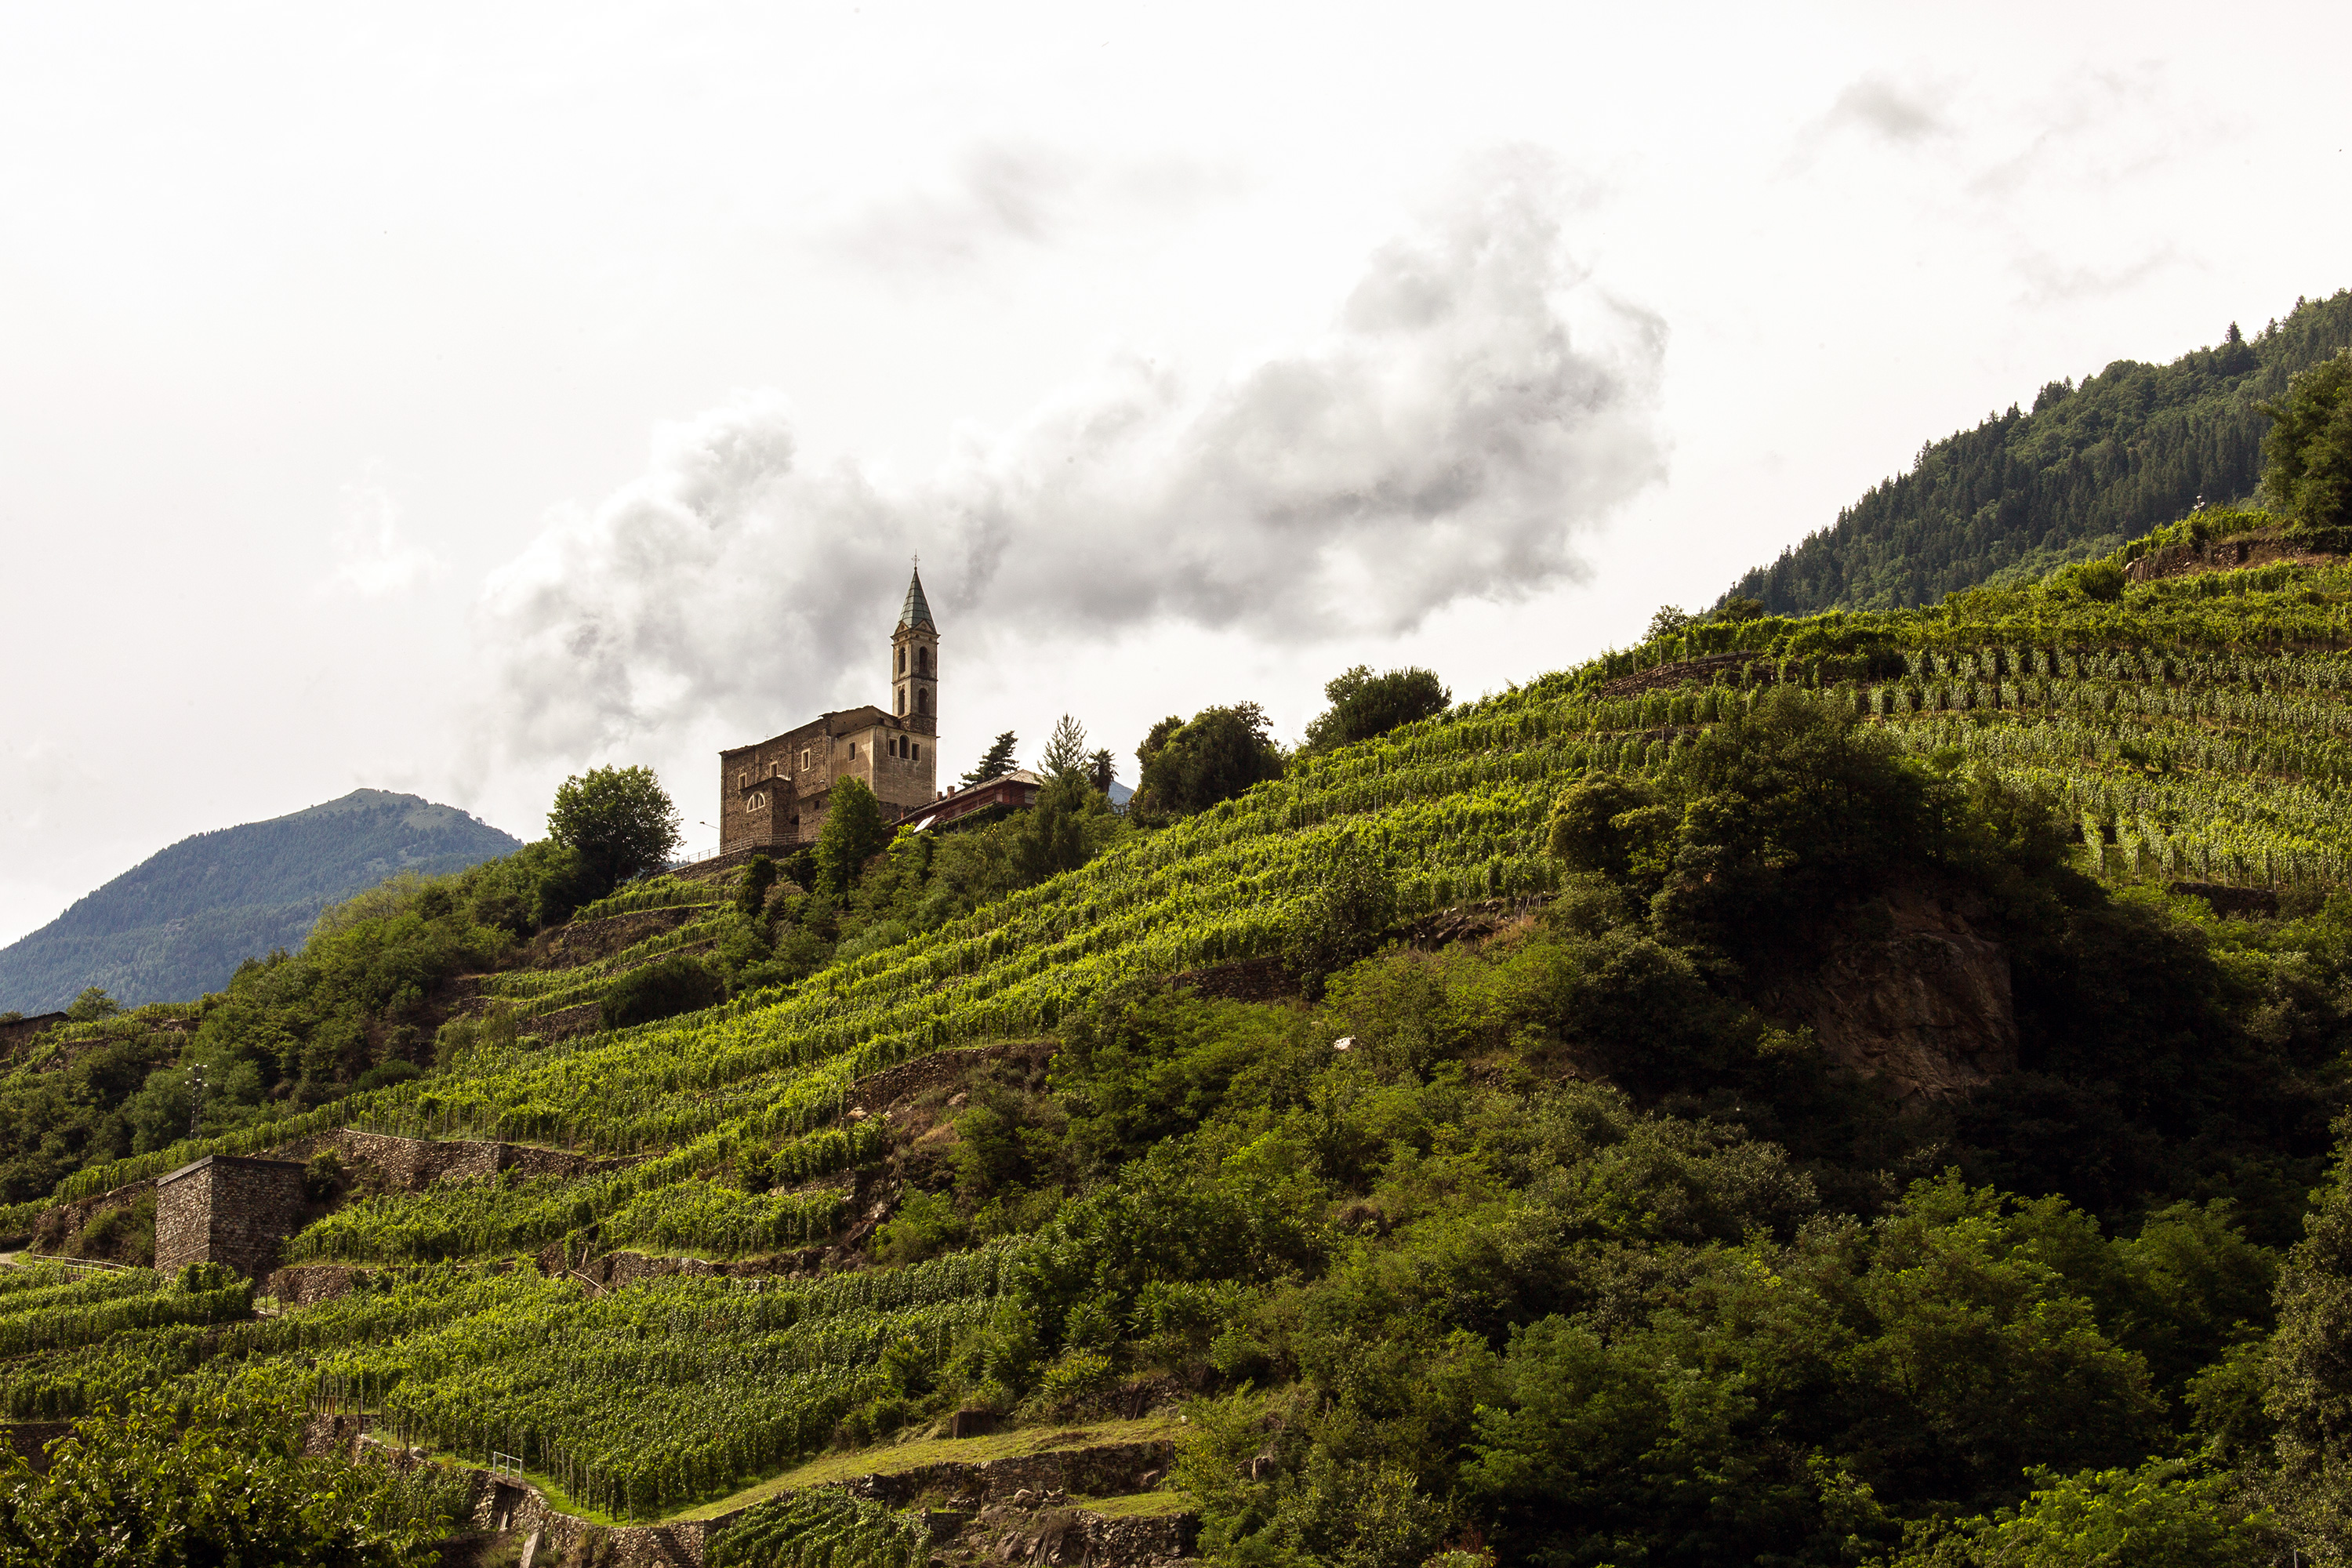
(224, 1209)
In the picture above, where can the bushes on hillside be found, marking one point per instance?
(1188, 765)
(679, 983)
(1344, 919)
(1765, 821)
(1364, 705)
(219, 1480)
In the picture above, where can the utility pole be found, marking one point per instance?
(196, 1098)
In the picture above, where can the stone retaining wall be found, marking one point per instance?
(1114, 1469)
(411, 1164)
(1020, 1511)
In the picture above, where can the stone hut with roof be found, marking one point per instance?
(772, 796)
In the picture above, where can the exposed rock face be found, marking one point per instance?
(1921, 1003)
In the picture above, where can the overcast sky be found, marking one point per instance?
(448, 399)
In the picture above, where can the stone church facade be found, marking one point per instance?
(772, 796)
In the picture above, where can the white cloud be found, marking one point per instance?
(1892, 112)
(375, 557)
(1447, 437)
(1005, 194)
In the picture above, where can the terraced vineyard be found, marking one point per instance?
(2195, 729)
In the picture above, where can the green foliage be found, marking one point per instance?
(2089, 466)
(1342, 919)
(679, 984)
(1364, 705)
(619, 821)
(1600, 823)
(1191, 765)
(2310, 1362)
(2164, 1514)
(853, 834)
(995, 762)
(1070, 824)
(92, 1005)
(1066, 752)
(2308, 453)
(821, 1529)
(1580, 1247)
(214, 1481)
(751, 894)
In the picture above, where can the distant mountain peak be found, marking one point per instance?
(177, 924)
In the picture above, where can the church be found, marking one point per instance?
(772, 796)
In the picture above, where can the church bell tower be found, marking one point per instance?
(915, 662)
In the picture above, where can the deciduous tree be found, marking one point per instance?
(620, 821)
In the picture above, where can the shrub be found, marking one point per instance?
(1189, 766)
(853, 833)
(1585, 823)
(751, 894)
(1342, 921)
(393, 1072)
(1364, 705)
(677, 984)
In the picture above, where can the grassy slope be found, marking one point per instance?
(2184, 720)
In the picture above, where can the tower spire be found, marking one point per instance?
(916, 611)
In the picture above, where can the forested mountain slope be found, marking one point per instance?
(1789, 1092)
(2088, 468)
(178, 923)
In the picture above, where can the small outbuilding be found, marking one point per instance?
(225, 1209)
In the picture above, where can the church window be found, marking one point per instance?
(918, 751)
(923, 701)
(902, 662)
(923, 662)
(804, 756)
(902, 700)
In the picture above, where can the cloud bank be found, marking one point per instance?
(1445, 437)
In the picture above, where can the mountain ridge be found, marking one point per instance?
(175, 925)
(2088, 468)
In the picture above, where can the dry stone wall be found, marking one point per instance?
(411, 1164)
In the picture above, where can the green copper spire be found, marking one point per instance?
(916, 611)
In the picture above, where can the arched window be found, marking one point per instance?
(902, 662)
(923, 662)
(902, 700)
(923, 701)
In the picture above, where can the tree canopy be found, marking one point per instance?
(997, 762)
(853, 833)
(2309, 448)
(1190, 765)
(1364, 705)
(1066, 751)
(620, 821)
(2090, 465)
